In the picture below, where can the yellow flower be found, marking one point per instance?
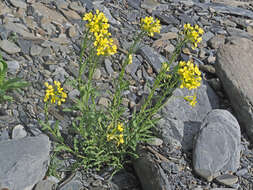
(54, 93)
(190, 76)
(130, 59)
(193, 34)
(149, 25)
(110, 137)
(120, 127)
(121, 139)
(191, 99)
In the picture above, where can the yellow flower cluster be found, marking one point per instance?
(193, 34)
(98, 26)
(191, 99)
(116, 134)
(149, 25)
(166, 68)
(55, 93)
(190, 75)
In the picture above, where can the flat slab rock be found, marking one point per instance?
(23, 162)
(234, 68)
(151, 175)
(217, 146)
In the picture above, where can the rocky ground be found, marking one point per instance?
(200, 148)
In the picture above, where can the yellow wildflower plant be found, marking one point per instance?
(54, 93)
(150, 25)
(190, 76)
(193, 34)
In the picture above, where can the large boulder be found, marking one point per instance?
(23, 162)
(234, 68)
(179, 121)
(217, 146)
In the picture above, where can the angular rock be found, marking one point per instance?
(134, 3)
(132, 68)
(152, 57)
(221, 8)
(18, 4)
(216, 41)
(108, 67)
(9, 47)
(70, 15)
(149, 4)
(50, 14)
(44, 185)
(13, 66)
(20, 29)
(234, 68)
(217, 146)
(180, 122)
(73, 184)
(227, 179)
(151, 175)
(35, 50)
(18, 132)
(23, 162)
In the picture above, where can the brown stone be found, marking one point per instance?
(52, 15)
(71, 15)
(234, 68)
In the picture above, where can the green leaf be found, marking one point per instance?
(62, 148)
(15, 83)
(7, 98)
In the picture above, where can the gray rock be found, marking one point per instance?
(221, 8)
(18, 132)
(13, 66)
(97, 74)
(9, 47)
(25, 45)
(4, 135)
(20, 29)
(234, 69)
(155, 142)
(180, 122)
(134, 3)
(242, 172)
(73, 94)
(132, 68)
(170, 19)
(35, 50)
(151, 175)
(207, 36)
(149, 4)
(227, 179)
(239, 33)
(73, 184)
(18, 4)
(44, 185)
(107, 13)
(23, 162)
(152, 57)
(216, 41)
(217, 146)
(108, 67)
